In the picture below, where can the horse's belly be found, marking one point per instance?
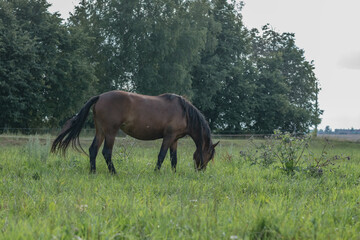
(143, 133)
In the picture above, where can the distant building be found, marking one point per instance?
(347, 131)
(339, 131)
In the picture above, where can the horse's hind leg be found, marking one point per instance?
(93, 150)
(107, 152)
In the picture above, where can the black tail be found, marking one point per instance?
(72, 129)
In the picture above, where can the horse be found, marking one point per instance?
(167, 116)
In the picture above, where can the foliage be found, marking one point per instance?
(223, 81)
(43, 75)
(33, 150)
(56, 197)
(125, 149)
(316, 162)
(286, 86)
(148, 46)
(244, 81)
(290, 150)
(291, 153)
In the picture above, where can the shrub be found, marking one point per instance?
(316, 163)
(291, 152)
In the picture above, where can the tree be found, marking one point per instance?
(328, 130)
(175, 34)
(286, 85)
(19, 78)
(144, 46)
(42, 71)
(112, 67)
(223, 81)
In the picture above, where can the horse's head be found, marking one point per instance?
(207, 154)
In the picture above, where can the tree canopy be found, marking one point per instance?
(44, 76)
(243, 80)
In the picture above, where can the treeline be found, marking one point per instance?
(243, 80)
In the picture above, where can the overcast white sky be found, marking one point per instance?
(327, 30)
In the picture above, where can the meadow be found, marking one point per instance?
(45, 196)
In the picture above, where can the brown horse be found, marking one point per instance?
(167, 116)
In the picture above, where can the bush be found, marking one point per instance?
(291, 152)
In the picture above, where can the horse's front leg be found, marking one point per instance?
(163, 150)
(173, 157)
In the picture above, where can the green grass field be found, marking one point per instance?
(45, 196)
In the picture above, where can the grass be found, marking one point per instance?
(47, 196)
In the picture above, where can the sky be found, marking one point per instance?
(328, 31)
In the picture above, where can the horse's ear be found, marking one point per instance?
(214, 145)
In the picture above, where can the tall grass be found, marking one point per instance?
(51, 197)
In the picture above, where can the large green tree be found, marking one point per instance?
(43, 74)
(174, 34)
(224, 80)
(286, 84)
(144, 46)
(19, 84)
(111, 66)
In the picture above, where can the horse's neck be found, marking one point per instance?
(199, 140)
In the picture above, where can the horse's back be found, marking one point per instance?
(140, 116)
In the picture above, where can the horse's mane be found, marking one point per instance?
(195, 119)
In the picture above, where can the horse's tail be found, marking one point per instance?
(72, 128)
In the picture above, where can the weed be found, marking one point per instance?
(125, 149)
(36, 150)
(316, 163)
(292, 153)
(289, 150)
